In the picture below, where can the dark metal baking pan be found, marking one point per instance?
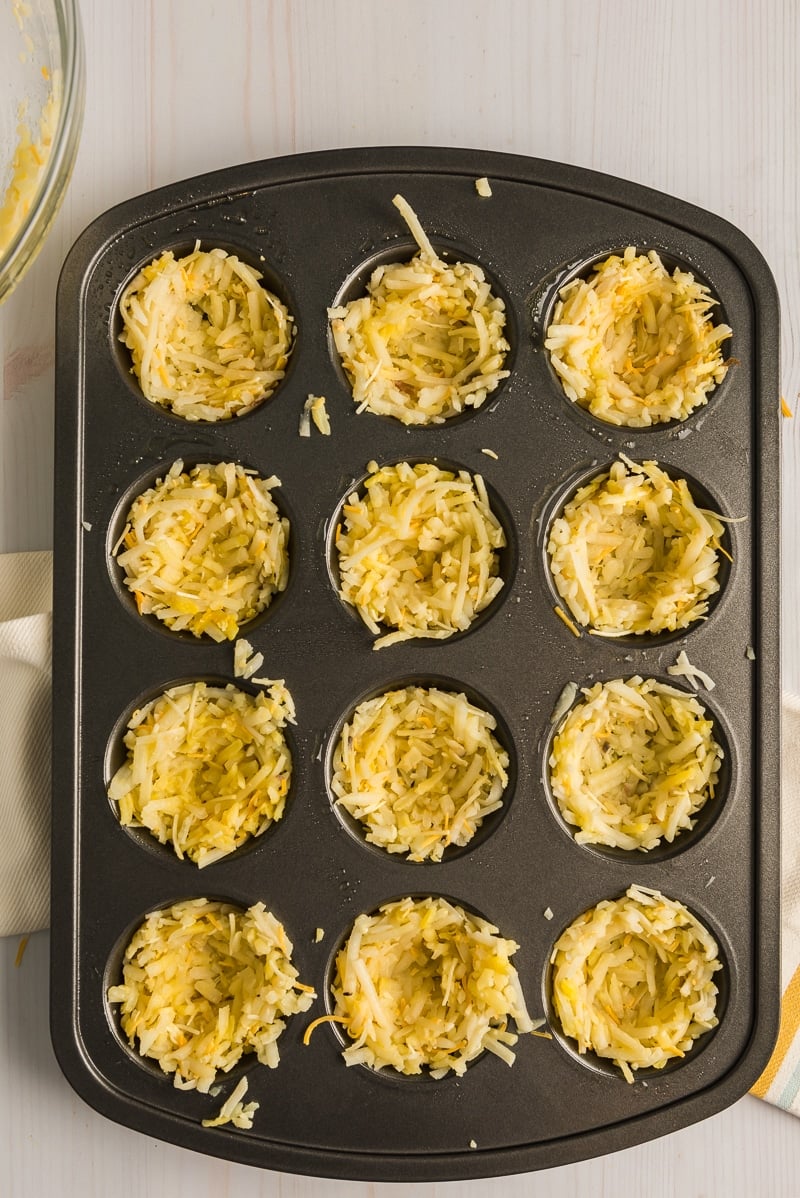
(318, 221)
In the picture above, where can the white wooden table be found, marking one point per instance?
(700, 100)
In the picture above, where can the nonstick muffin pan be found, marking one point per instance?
(315, 226)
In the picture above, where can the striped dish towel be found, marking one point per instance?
(780, 1081)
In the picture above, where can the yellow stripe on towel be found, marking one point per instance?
(790, 1021)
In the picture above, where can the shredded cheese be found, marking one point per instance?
(564, 618)
(633, 980)
(207, 341)
(633, 553)
(635, 345)
(204, 983)
(418, 551)
(633, 762)
(421, 769)
(424, 985)
(315, 1023)
(205, 550)
(23, 944)
(483, 187)
(206, 768)
(426, 341)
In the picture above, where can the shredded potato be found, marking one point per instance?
(418, 551)
(246, 660)
(426, 341)
(420, 769)
(207, 341)
(206, 549)
(234, 1111)
(632, 980)
(206, 768)
(314, 409)
(683, 668)
(633, 553)
(635, 345)
(204, 983)
(422, 984)
(633, 762)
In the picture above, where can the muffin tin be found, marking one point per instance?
(315, 225)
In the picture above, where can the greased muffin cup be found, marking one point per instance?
(315, 226)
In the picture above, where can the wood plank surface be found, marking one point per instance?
(697, 99)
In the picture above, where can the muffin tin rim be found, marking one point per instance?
(448, 163)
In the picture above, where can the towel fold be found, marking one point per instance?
(25, 645)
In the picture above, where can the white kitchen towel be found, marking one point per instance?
(25, 634)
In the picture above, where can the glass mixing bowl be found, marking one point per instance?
(41, 112)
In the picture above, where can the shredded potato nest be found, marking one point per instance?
(424, 985)
(205, 550)
(633, 762)
(418, 551)
(635, 345)
(426, 341)
(204, 983)
(633, 981)
(207, 341)
(206, 768)
(633, 553)
(421, 770)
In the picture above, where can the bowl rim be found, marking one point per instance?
(28, 238)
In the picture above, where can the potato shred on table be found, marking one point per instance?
(418, 551)
(204, 984)
(632, 552)
(427, 340)
(424, 985)
(208, 342)
(205, 549)
(632, 980)
(421, 769)
(206, 768)
(633, 762)
(634, 344)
